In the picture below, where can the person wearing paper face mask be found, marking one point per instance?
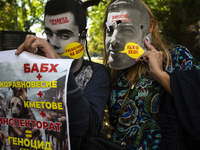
(59, 34)
(141, 104)
(63, 25)
(123, 28)
(88, 82)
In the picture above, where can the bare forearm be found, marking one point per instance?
(164, 79)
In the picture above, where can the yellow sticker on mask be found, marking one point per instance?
(74, 50)
(133, 50)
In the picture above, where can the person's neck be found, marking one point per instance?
(76, 64)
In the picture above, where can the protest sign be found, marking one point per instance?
(33, 110)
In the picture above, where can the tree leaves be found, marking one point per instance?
(27, 13)
(96, 15)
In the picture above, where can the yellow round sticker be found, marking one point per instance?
(133, 50)
(74, 50)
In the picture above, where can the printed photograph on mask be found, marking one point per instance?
(63, 26)
(127, 22)
(64, 30)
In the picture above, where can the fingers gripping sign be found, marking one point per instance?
(153, 60)
(30, 44)
(37, 45)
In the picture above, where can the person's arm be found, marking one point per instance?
(164, 79)
(96, 94)
(37, 45)
(153, 60)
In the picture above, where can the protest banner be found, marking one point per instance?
(33, 110)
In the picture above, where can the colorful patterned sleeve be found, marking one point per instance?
(182, 59)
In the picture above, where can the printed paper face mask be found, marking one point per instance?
(61, 31)
(128, 22)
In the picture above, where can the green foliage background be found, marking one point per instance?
(96, 15)
(27, 13)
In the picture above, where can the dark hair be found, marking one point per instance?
(55, 7)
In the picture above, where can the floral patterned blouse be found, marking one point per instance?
(137, 125)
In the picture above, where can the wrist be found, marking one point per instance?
(164, 80)
(161, 77)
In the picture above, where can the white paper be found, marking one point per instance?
(44, 97)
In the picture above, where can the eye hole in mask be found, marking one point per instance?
(118, 22)
(110, 28)
(141, 26)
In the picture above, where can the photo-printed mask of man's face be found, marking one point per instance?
(61, 31)
(125, 23)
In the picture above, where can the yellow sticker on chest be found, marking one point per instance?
(74, 50)
(132, 50)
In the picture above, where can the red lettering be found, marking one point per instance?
(59, 21)
(66, 19)
(130, 47)
(16, 122)
(44, 68)
(72, 54)
(27, 123)
(5, 120)
(51, 126)
(121, 17)
(53, 68)
(33, 123)
(79, 50)
(39, 124)
(11, 119)
(21, 123)
(133, 52)
(58, 126)
(45, 124)
(34, 68)
(51, 21)
(1, 120)
(26, 68)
